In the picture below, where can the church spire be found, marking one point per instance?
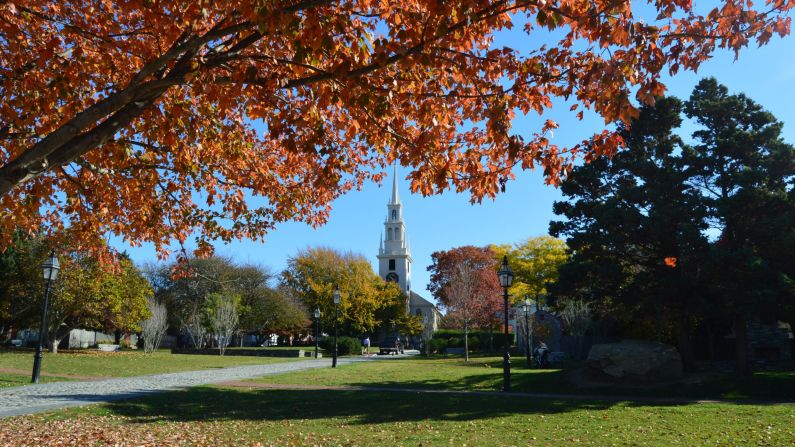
(395, 198)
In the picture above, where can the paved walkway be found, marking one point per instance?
(50, 396)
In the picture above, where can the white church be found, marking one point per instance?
(394, 261)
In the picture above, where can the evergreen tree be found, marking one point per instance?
(744, 173)
(635, 227)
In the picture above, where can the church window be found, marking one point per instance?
(391, 264)
(389, 234)
(394, 214)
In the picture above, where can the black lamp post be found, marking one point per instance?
(336, 317)
(528, 339)
(506, 278)
(317, 329)
(50, 269)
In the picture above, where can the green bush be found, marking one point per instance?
(455, 342)
(436, 345)
(474, 343)
(345, 345)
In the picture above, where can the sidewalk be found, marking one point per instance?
(51, 396)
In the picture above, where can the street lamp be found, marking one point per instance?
(50, 270)
(317, 328)
(506, 278)
(528, 339)
(336, 317)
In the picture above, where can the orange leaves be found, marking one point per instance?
(295, 103)
(670, 261)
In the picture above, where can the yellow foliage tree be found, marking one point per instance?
(367, 302)
(535, 263)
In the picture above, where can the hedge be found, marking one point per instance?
(345, 345)
(477, 339)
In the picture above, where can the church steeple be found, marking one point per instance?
(395, 197)
(394, 256)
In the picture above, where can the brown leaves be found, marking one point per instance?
(106, 431)
(294, 103)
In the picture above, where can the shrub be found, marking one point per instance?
(474, 343)
(345, 345)
(455, 342)
(436, 345)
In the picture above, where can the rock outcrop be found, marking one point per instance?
(636, 361)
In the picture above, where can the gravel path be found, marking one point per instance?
(50, 396)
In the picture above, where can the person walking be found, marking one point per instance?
(366, 345)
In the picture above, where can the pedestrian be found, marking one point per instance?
(366, 345)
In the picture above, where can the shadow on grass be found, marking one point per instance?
(774, 386)
(365, 407)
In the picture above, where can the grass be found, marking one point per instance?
(485, 374)
(220, 416)
(217, 415)
(125, 363)
(9, 380)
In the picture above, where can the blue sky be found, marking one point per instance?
(765, 74)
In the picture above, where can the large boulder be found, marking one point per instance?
(636, 361)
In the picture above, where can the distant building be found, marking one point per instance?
(394, 260)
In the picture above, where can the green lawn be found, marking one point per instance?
(485, 374)
(219, 416)
(125, 363)
(8, 380)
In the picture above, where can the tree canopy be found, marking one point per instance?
(535, 263)
(464, 281)
(87, 294)
(159, 119)
(677, 237)
(367, 302)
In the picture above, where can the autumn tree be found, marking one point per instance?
(114, 114)
(464, 281)
(535, 263)
(464, 301)
(88, 294)
(188, 290)
(367, 301)
(272, 311)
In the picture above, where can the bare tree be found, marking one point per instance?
(223, 319)
(194, 324)
(577, 316)
(464, 302)
(153, 328)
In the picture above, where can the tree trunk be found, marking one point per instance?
(684, 344)
(466, 342)
(54, 342)
(117, 337)
(741, 345)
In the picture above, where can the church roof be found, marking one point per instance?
(418, 301)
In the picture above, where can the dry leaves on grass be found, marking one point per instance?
(105, 431)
